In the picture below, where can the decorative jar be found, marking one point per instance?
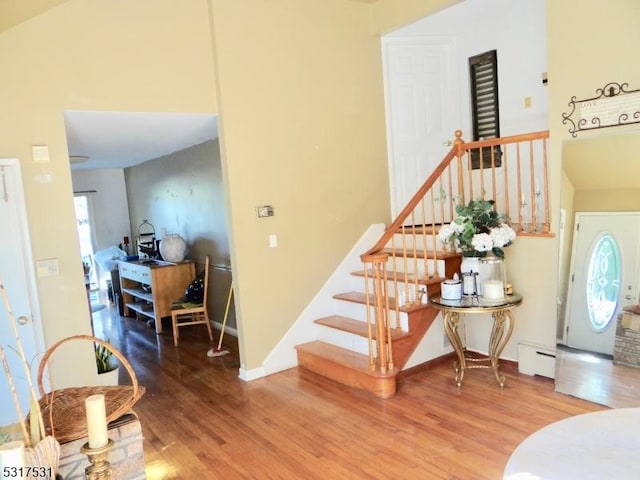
(470, 269)
(492, 278)
(173, 248)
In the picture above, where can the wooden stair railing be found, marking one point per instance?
(510, 170)
(408, 262)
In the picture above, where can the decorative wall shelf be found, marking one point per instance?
(614, 105)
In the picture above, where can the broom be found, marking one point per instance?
(220, 351)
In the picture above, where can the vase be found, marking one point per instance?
(492, 277)
(173, 248)
(109, 379)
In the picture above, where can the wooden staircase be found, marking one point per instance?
(354, 369)
(374, 342)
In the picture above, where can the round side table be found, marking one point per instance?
(503, 322)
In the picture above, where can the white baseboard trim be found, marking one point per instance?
(536, 359)
(250, 375)
(227, 329)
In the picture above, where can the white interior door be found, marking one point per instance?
(17, 277)
(423, 110)
(605, 267)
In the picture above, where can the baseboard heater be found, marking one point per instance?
(536, 360)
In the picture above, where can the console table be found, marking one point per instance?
(503, 322)
(150, 286)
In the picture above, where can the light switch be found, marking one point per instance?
(273, 240)
(48, 267)
(264, 211)
(40, 153)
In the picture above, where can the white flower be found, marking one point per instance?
(502, 236)
(444, 235)
(458, 227)
(482, 242)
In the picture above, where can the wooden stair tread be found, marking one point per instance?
(356, 327)
(342, 356)
(400, 275)
(420, 229)
(419, 253)
(359, 297)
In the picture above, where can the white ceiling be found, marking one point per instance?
(124, 139)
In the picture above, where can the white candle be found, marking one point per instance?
(522, 197)
(493, 289)
(469, 284)
(96, 421)
(537, 187)
(12, 455)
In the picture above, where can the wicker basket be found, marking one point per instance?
(63, 410)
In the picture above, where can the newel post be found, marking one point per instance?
(376, 270)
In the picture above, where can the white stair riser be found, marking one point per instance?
(419, 265)
(357, 311)
(344, 339)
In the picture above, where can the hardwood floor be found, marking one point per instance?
(596, 378)
(201, 422)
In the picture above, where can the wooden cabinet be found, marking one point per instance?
(150, 286)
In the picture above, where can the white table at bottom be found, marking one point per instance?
(603, 445)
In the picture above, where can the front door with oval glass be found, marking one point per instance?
(605, 278)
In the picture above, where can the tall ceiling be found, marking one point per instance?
(119, 139)
(13, 12)
(125, 139)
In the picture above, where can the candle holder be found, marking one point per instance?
(100, 468)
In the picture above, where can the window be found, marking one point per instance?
(483, 69)
(603, 282)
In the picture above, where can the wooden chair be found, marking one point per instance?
(190, 314)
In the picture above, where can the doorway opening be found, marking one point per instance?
(84, 226)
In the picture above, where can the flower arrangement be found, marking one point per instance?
(477, 230)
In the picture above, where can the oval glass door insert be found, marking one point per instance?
(603, 282)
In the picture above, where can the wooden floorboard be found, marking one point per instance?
(596, 378)
(200, 421)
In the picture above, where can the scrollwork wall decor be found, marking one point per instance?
(614, 105)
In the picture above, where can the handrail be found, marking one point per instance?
(399, 269)
(404, 214)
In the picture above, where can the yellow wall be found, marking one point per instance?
(13, 12)
(302, 129)
(299, 88)
(626, 200)
(588, 48)
(146, 55)
(388, 15)
(302, 124)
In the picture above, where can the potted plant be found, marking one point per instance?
(107, 370)
(480, 233)
(477, 230)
